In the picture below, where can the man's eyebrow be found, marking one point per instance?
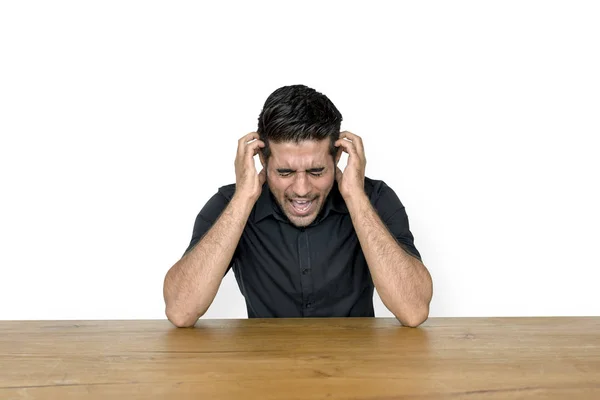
(310, 170)
(315, 170)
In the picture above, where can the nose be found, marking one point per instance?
(301, 185)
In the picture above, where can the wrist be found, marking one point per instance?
(357, 201)
(243, 201)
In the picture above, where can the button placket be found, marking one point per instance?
(305, 273)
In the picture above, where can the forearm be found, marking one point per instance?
(192, 283)
(402, 281)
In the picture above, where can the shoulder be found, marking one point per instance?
(382, 197)
(376, 188)
(217, 203)
(227, 191)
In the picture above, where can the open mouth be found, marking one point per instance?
(302, 207)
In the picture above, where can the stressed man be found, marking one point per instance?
(304, 238)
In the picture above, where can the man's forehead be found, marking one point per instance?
(306, 154)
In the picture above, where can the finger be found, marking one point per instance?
(249, 137)
(358, 142)
(347, 146)
(244, 140)
(253, 148)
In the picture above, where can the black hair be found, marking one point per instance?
(296, 113)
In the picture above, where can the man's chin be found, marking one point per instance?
(301, 221)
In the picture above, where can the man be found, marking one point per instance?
(304, 238)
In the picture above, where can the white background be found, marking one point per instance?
(119, 120)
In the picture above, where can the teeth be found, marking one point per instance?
(301, 204)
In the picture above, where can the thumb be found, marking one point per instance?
(262, 176)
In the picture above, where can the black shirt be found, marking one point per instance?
(316, 271)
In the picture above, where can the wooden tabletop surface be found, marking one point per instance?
(358, 358)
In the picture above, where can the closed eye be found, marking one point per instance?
(316, 172)
(284, 171)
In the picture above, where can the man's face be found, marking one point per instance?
(300, 176)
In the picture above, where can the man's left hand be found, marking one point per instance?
(351, 181)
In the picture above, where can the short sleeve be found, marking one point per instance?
(393, 214)
(206, 218)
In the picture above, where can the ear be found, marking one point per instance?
(338, 155)
(262, 159)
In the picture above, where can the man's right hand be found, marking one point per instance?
(248, 182)
(192, 283)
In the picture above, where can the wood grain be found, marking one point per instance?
(357, 358)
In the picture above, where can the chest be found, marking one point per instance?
(321, 257)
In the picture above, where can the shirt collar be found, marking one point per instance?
(267, 206)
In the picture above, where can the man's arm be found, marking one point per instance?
(191, 284)
(402, 281)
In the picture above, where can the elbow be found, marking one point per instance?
(178, 312)
(181, 319)
(414, 318)
(419, 312)
(413, 322)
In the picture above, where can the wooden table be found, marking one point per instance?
(370, 358)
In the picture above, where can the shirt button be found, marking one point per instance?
(308, 305)
(305, 271)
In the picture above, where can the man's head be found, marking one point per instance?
(299, 127)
